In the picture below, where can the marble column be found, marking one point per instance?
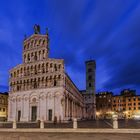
(65, 105)
(67, 108)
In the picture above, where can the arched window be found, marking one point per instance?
(42, 79)
(24, 71)
(31, 68)
(35, 83)
(59, 66)
(55, 67)
(21, 70)
(17, 87)
(35, 57)
(55, 83)
(46, 67)
(40, 42)
(28, 57)
(35, 43)
(51, 65)
(35, 69)
(46, 78)
(43, 68)
(43, 53)
(43, 42)
(39, 67)
(17, 72)
(59, 77)
(28, 46)
(32, 43)
(14, 74)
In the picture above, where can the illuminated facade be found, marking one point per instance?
(125, 105)
(39, 87)
(3, 106)
(104, 105)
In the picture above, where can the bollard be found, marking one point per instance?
(14, 124)
(75, 123)
(41, 124)
(115, 122)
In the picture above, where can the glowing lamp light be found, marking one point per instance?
(97, 113)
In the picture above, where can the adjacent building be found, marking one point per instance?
(125, 105)
(39, 87)
(3, 106)
(104, 105)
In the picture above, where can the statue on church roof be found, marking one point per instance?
(36, 29)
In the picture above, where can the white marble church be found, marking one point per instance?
(39, 87)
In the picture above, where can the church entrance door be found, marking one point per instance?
(50, 114)
(34, 113)
(19, 115)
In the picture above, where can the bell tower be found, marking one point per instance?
(90, 97)
(90, 76)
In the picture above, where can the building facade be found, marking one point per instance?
(39, 87)
(104, 105)
(3, 106)
(126, 105)
(89, 94)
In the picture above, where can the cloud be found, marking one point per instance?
(107, 31)
(3, 88)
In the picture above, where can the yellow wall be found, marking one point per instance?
(3, 106)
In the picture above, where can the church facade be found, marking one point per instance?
(40, 89)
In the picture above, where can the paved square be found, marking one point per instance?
(67, 136)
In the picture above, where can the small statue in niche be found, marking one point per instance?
(36, 29)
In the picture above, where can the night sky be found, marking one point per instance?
(105, 30)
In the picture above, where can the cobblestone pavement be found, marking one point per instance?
(67, 136)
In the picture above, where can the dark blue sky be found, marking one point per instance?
(105, 30)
